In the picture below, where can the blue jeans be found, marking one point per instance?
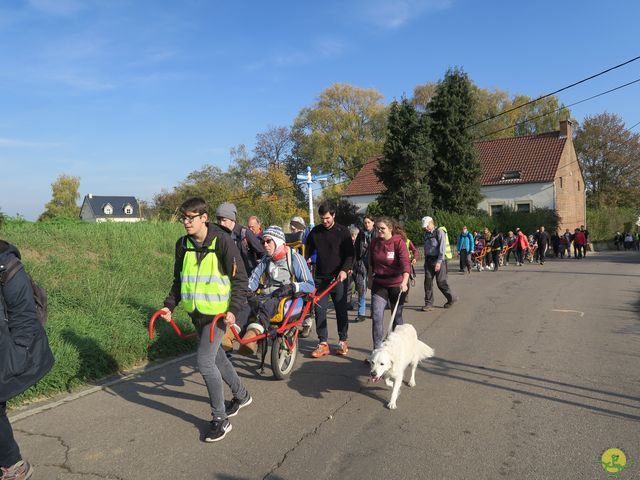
(215, 368)
(362, 303)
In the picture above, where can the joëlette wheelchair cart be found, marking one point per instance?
(282, 333)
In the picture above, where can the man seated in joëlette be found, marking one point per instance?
(281, 273)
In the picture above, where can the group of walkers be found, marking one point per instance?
(488, 249)
(627, 240)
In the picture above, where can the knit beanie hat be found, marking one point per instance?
(227, 210)
(276, 234)
(298, 222)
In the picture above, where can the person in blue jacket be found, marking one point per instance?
(465, 247)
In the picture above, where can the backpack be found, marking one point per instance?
(8, 271)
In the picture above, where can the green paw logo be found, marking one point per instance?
(614, 462)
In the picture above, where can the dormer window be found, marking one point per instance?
(511, 175)
(128, 209)
(107, 209)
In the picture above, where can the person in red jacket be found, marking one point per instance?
(389, 268)
(579, 241)
(522, 245)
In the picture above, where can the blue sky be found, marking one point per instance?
(132, 95)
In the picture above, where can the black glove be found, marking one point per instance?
(284, 291)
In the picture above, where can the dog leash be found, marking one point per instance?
(393, 314)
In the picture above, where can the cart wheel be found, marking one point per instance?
(281, 359)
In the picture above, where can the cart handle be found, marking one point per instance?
(174, 325)
(316, 298)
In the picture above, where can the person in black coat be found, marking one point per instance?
(25, 356)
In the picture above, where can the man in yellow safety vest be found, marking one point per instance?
(209, 278)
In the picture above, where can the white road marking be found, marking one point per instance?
(569, 311)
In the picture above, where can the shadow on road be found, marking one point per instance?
(160, 389)
(537, 387)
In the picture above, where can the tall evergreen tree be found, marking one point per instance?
(407, 162)
(455, 179)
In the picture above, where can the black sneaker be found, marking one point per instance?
(218, 430)
(450, 303)
(231, 407)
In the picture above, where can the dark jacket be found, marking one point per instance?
(334, 248)
(25, 356)
(230, 264)
(249, 244)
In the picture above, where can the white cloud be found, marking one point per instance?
(19, 143)
(390, 14)
(80, 82)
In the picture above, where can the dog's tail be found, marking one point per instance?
(425, 351)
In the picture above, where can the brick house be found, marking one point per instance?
(523, 173)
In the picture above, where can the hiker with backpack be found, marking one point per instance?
(247, 242)
(25, 356)
(281, 273)
(209, 279)
(436, 252)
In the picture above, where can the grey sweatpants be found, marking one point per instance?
(441, 280)
(215, 368)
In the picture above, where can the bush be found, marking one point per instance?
(603, 223)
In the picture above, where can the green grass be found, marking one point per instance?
(104, 282)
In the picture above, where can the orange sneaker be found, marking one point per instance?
(343, 348)
(322, 350)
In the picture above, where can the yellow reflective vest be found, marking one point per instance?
(448, 254)
(203, 287)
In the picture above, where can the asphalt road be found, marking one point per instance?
(535, 376)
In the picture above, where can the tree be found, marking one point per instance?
(609, 155)
(272, 147)
(341, 130)
(407, 162)
(64, 196)
(455, 178)
(540, 117)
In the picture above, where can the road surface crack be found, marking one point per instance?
(67, 449)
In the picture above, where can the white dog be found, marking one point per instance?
(400, 349)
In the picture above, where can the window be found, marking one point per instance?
(560, 182)
(511, 175)
(523, 207)
(578, 185)
(495, 209)
(107, 209)
(128, 209)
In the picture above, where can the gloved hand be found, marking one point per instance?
(284, 291)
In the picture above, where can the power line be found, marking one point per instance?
(553, 93)
(559, 109)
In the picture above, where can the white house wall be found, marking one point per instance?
(362, 201)
(539, 194)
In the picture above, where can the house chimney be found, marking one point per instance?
(566, 130)
(90, 195)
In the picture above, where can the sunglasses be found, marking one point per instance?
(267, 241)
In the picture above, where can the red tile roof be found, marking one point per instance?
(534, 157)
(366, 181)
